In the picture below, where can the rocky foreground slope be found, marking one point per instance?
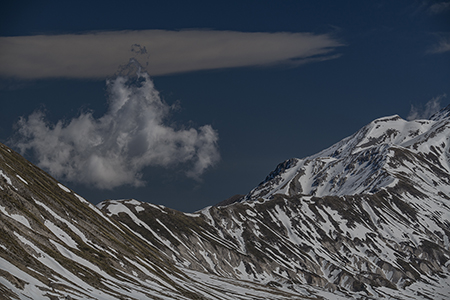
(367, 218)
(56, 245)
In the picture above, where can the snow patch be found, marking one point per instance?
(60, 234)
(139, 208)
(23, 180)
(64, 188)
(19, 218)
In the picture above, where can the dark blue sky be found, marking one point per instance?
(394, 54)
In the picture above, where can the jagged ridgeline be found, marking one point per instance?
(367, 218)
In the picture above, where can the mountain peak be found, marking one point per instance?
(392, 118)
(361, 163)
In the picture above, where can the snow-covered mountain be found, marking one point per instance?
(376, 157)
(367, 218)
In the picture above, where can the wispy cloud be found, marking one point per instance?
(431, 9)
(440, 7)
(160, 52)
(114, 149)
(444, 38)
(431, 107)
(442, 46)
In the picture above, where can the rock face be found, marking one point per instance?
(367, 218)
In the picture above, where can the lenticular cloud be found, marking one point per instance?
(114, 149)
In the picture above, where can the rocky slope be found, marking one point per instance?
(56, 245)
(367, 218)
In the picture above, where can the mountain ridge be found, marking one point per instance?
(367, 218)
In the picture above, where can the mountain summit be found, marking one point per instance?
(388, 152)
(367, 218)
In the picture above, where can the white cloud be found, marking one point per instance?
(97, 54)
(114, 149)
(431, 107)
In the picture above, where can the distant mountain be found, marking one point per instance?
(367, 218)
